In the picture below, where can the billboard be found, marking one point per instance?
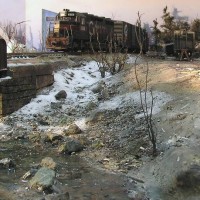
(48, 18)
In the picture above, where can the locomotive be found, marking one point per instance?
(73, 31)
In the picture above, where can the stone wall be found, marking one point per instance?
(22, 84)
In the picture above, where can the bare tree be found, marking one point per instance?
(15, 34)
(143, 89)
(42, 45)
(112, 61)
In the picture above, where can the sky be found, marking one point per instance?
(126, 10)
(12, 10)
(118, 9)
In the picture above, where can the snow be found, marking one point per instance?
(132, 59)
(70, 80)
(77, 82)
(128, 99)
(19, 64)
(5, 78)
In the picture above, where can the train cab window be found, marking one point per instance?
(82, 21)
(78, 19)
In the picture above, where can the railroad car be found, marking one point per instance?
(127, 36)
(83, 31)
(184, 43)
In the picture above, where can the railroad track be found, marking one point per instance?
(41, 54)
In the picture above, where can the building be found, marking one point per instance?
(30, 21)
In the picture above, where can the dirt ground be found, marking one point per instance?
(177, 126)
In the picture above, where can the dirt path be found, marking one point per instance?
(178, 129)
(117, 140)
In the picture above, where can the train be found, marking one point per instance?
(184, 44)
(76, 31)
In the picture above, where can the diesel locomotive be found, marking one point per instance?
(73, 31)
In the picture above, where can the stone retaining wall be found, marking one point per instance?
(22, 84)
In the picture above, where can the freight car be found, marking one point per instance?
(127, 36)
(184, 44)
(83, 31)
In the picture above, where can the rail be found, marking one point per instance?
(36, 54)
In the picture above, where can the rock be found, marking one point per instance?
(70, 146)
(29, 174)
(56, 105)
(43, 179)
(20, 135)
(48, 162)
(95, 116)
(190, 178)
(102, 71)
(140, 195)
(105, 93)
(63, 196)
(97, 144)
(91, 105)
(43, 122)
(51, 136)
(34, 137)
(61, 95)
(6, 163)
(72, 130)
(179, 167)
(62, 148)
(98, 88)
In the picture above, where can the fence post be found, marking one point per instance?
(3, 58)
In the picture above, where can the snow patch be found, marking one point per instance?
(129, 99)
(77, 82)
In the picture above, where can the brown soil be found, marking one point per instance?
(179, 118)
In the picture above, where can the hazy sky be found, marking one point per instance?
(117, 9)
(18, 10)
(12, 10)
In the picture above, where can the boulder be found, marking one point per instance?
(72, 130)
(51, 136)
(56, 105)
(29, 174)
(70, 146)
(189, 178)
(43, 179)
(48, 162)
(179, 168)
(91, 105)
(105, 93)
(35, 137)
(95, 116)
(61, 95)
(6, 163)
(98, 88)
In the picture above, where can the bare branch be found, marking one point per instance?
(146, 108)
